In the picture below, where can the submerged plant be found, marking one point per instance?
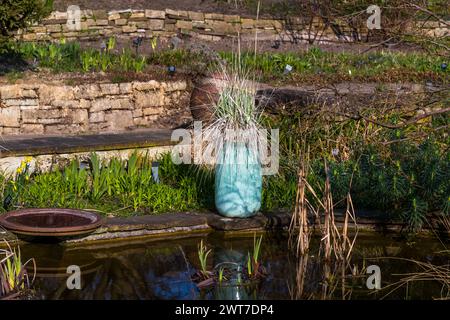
(203, 254)
(13, 275)
(221, 275)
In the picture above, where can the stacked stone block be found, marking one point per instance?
(104, 107)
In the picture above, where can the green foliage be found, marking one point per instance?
(203, 254)
(318, 62)
(114, 186)
(69, 57)
(13, 273)
(19, 14)
(388, 170)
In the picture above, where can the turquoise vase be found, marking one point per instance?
(238, 183)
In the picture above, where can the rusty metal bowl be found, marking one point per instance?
(51, 222)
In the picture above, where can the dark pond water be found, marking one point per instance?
(162, 269)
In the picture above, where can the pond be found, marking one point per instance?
(162, 269)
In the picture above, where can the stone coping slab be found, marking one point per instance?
(43, 144)
(182, 224)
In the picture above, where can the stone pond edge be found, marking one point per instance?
(186, 224)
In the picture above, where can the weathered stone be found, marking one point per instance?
(142, 86)
(137, 14)
(129, 28)
(125, 104)
(84, 104)
(54, 21)
(56, 35)
(137, 113)
(47, 94)
(10, 92)
(103, 104)
(232, 18)
(30, 116)
(64, 128)
(10, 130)
(51, 121)
(267, 24)
(89, 91)
(140, 121)
(247, 23)
(175, 86)
(10, 117)
(95, 117)
(183, 24)
(125, 88)
(152, 111)
(169, 27)
(50, 113)
(119, 119)
(87, 23)
(32, 129)
(196, 16)
(120, 22)
(114, 16)
(70, 34)
(177, 13)
(103, 22)
(20, 102)
(214, 16)
(29, 37)
(57, 15)
(110, 88)
(77, 116)
(152, 99)
(42, 36)
(155, 24)
(54, 28)
(155, 14)
(260, 221)
(200, 25)
(38, 29)
(222, 27)
(141, 25)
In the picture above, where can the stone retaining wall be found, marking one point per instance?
(206, 26)
(104, 107)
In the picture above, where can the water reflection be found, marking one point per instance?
(163, 269)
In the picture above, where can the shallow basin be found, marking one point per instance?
(50, 222)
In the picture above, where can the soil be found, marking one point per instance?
(211, 6)
(230, 45)
(158, 73)
(25, 69)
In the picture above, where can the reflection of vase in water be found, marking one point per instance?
(238, 181)
(233, 288)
